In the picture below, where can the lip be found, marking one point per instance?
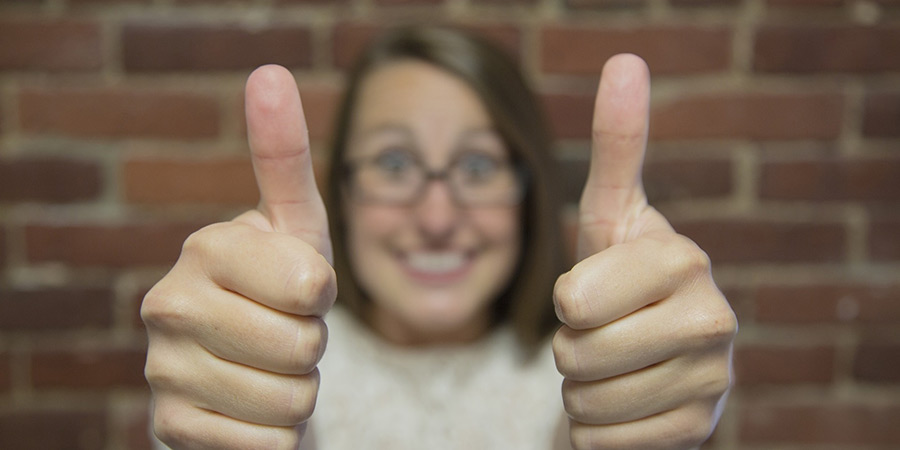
(437, 277)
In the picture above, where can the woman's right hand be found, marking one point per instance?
(235, 328)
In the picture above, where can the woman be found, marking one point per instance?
(445, 242)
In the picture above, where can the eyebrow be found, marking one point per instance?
(407, 134)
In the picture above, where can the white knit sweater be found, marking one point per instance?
(374, 395)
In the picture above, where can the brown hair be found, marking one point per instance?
(527, 302)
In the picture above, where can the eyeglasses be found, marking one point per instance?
(399, 177)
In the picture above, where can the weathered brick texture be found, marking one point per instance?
(37, 429)
(833, 424)
(773, 138)
(55, 309)
(116, 113)
(758, 365)
(869, 180)
(107, 245)
(749, 241)
(881, 118)
(49, 180)
(166, 47)
(828, 303)
(190, 182)
(667, 50)
(750, 116)
(50, 45)
(92, 369)
(818, 49)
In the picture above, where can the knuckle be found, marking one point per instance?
(712, 324)
(572, 401)
(718, 381)
(201, 242)
(563, 352)
(312, 337)
(163, 371)
(163, 307)
(169, 424)
(688, 258)
(718, 326)
(569, 299)
(697, 425)
(582, 437)
(290, 438)
(303, 398)
(312, 282)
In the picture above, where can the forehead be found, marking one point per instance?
(421, 97)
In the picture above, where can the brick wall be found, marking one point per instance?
(775, 134)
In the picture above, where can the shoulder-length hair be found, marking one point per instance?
(526, 303)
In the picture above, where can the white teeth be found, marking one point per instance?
(436, 262)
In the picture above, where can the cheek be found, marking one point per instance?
(500, 227)
(366, 226)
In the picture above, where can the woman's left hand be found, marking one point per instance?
(646, 345)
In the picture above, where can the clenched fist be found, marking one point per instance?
(235, 328)
(647, 339)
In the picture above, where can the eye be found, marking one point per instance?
(476, 167)
(395, 162)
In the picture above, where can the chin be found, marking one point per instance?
(445, 321)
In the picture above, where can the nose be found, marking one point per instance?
(437, 214)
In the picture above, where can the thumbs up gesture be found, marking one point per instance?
(646, 342)
(235, 328)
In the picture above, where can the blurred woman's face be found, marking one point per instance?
(433, 230)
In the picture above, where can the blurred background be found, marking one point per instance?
(775, 144)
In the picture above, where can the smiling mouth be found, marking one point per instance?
(432, 266)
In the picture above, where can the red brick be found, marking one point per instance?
(5, 375)
(570, 115)
(877, 362)
(292, 2)
(190, 47)
(605, 4)
(583, 51)
(138, 424)
(223, 181)
(762, 365)
(106, 2)
(4, 254)
(350, 38)
(884, 238)
(54, 309)
(828, 303)
(663, 180)
(760, 241)
(855, 49)
(807, 3)
(408, 2)
(685, 179)
(881, 115)
(55, 46)
(107, 245)
(53, 429)
(750, 116)
(703, 3)
(118, 113)
(88, 369)
(831, 424)
(507, 2)
(874, 180)
(49, 180)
